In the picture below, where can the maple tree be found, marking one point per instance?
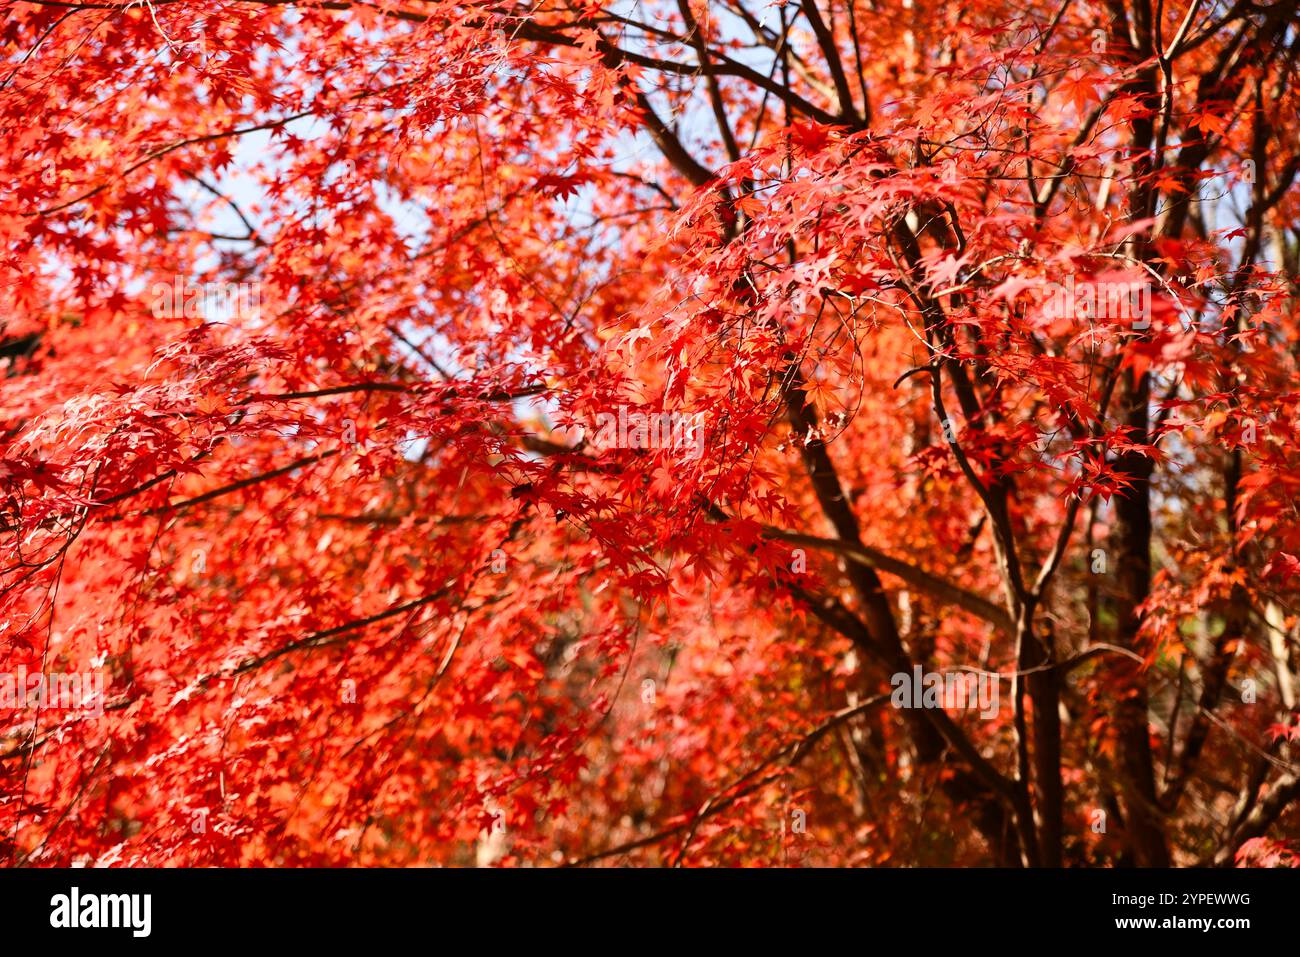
(336, 337)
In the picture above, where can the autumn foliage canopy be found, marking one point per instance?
(476, 433)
